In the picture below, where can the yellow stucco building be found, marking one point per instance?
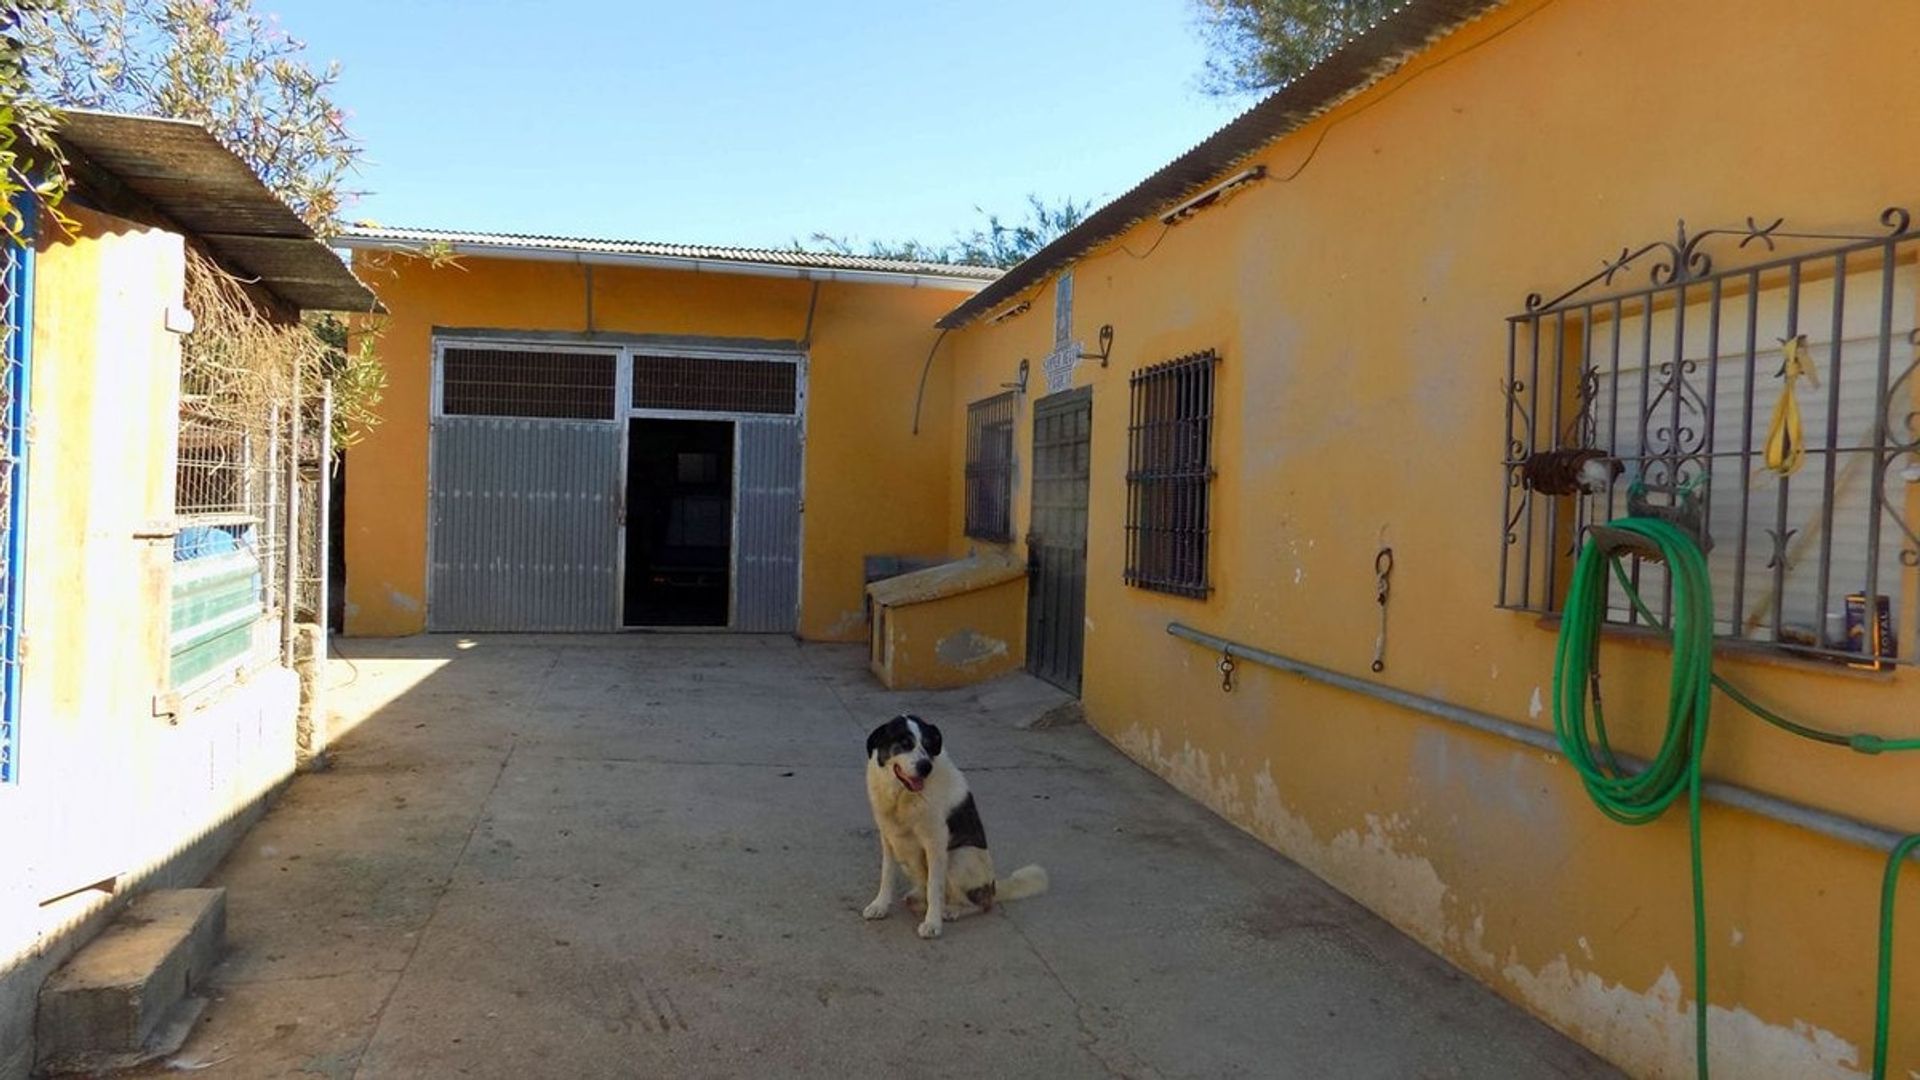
(1352, 321)
(149, 710)
(714, 365)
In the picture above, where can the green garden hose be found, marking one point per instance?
(1638, 798)
(1626, 797)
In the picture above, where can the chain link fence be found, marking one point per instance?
(248, 551)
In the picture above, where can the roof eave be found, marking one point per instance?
(1349, 70)
(364, 241)
(180, 172)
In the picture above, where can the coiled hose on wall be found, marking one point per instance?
(1638, 798)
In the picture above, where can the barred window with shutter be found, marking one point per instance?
(990, 468)
(1170, 474)
(1667, 374)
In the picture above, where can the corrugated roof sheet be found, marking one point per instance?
(379, 236)
(187, 174)
(1361, 62)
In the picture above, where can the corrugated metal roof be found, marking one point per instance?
(746, 259)
(187, 174)
(1361, 62)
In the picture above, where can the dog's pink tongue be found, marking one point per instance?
(913, 783)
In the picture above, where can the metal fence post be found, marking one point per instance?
(290, 615)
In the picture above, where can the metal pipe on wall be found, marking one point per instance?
(1824, 822)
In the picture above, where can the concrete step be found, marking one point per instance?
(127, 996)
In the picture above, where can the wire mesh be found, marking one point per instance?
(527, 383)
(682, 382)
(230, 495)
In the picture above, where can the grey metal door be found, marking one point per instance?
(766, 590)
(524, 520)
(1057, 538)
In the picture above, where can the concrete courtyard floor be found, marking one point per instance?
(640, 856)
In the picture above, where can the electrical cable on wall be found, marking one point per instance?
(921, 393)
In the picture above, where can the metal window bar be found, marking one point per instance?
(709, 385)
(1169, 475)
(989, 472)
(527, 383)
(1678, 379)
(16, 329)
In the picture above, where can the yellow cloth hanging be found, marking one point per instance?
(1785, 449)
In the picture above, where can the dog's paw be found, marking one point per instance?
(929, 929)
(876, 910)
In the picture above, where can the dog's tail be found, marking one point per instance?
(1029, 880)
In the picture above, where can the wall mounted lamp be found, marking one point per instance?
(1019, 387)
(1106, 346)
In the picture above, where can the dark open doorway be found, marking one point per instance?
(679, 522)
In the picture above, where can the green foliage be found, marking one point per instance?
(1259, 45)
(217, 62)
(31, 163)
(359, 379)
(236, 71)
(996, 243)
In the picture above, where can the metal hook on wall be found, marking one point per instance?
(1382, 585)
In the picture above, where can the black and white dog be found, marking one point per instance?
(930, 828)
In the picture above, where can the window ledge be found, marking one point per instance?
(1755, 653)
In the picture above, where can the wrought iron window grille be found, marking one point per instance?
(1170, 474)
(989, 471)
(1665, 395)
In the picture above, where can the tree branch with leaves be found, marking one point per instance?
(1259, 45)
(216, 62)
(998, 242)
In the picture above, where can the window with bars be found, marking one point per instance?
(527, 383)
(1667, 392)
(1170, 475)
(707, 385)
(990, 468)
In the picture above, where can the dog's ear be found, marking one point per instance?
(929, 737)
(877, 738)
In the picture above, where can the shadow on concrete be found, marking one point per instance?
(642, 855)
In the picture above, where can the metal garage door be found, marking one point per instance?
(767, 534)
(524, 491)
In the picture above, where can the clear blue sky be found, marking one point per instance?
(753, 122)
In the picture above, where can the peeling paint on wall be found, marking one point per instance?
(1647, 1033)
(1402, 886)
(399, 599)
(1650, 1033)
(848, 624)
(968, 648)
